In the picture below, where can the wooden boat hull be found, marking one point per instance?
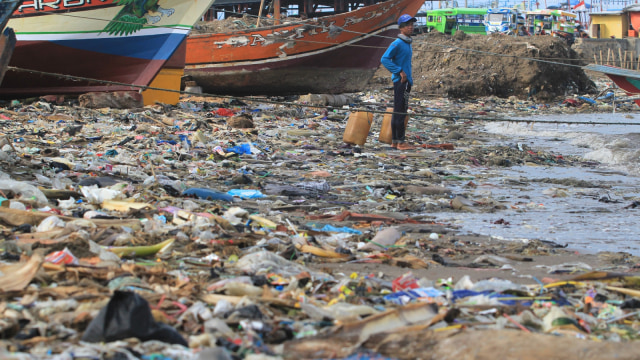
(7, 7)
(7, 35)
(334, 54)
(76, 41)
(627, 80)
(333, 70)
(7, 44)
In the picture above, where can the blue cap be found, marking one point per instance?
(406, 18)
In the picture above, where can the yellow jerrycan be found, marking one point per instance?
(385, 128)
(358, 127)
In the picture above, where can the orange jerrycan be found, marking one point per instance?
(385, 128)
(358, 127)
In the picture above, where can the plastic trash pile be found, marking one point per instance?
(165, 233)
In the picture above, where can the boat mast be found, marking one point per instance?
(260, 13)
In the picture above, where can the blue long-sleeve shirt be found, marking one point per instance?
(398, 58)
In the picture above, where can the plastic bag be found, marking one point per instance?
(50, 223)
(317, 186)
(224, 112)
(128, 315)
(24, 190)
(96, 195)
(263, 262)
(62, 257)
(207, 194)
(236, 215)
(406, 296)
(497, 285)
(240, 149)
(344, 229)
(383, 239)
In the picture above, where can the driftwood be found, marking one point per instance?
(14, 217)
(412, 343)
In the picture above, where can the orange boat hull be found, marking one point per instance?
(334, 54)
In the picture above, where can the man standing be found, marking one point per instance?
(397, 59)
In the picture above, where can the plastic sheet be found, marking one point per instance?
(246, 193)
(207, 194)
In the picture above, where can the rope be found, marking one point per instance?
(433, 114)
(181, 27)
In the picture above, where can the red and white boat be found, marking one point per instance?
(337, 53)
(626, 79)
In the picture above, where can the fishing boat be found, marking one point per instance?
(627, 80)
(7, 7)
(7, 35)
(118, 42)
(337, 53)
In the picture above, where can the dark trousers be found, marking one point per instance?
(400, 105)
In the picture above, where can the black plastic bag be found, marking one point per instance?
(128, 315)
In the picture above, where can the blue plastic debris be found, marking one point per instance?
(406, 296)
(246, 193)
(240, 149)
(344, 229)
(207, 194)
(586, 99)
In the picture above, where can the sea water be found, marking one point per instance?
(588, 219)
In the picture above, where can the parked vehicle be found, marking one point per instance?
(552, 22)
(505, 21)
(450, 21)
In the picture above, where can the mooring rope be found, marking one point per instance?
(461, 116)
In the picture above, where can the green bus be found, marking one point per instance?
(448, 21)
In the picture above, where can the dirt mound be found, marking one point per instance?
(466, 66)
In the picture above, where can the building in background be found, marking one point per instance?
(608, 24)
